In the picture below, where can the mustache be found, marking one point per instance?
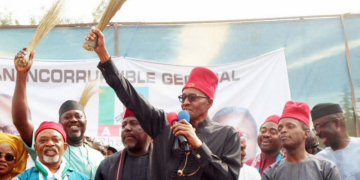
(54, 148)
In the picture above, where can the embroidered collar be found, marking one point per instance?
(44, 170)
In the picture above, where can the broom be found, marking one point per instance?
(91, 88)
(110, 11)
(45, 25)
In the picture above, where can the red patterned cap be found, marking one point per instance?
(203, 79)
(297, 110)
(51, 125)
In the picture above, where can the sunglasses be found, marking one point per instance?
(8, 157)
(191, 97)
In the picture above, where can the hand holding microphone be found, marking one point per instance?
(183, 127)
(173, 118)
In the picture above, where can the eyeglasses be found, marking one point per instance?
(191, 97)
(312, 146)
(319, 126)
(8, 157)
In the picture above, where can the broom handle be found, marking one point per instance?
(24, 60)
(90, 45)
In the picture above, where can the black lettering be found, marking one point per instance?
(41, 79)
(139, 78)
(80, 75)
(233, 76)
(69, 75)
(130, 76)
(96, 75)
(53, 77)
(150, 77)
(7, 74)
(178, 79)
(224, 76)
(186, 78)
(167, 78)
(33, 76)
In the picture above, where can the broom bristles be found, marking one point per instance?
(91, 88)
(110, 11)
(46, 24)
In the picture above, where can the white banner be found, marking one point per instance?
(248, 92)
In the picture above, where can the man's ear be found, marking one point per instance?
(65, 146)
(337, 122)
(307, 133)
(35, 146)
(211, 101)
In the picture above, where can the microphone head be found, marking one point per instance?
(184, 115)
(171, 117)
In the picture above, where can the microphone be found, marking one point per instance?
(184, 115)
(172, 118)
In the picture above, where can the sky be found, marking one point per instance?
(184, 10)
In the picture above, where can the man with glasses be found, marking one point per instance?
(312, 144)
(344, 151)
(298, 165)
(214, 148)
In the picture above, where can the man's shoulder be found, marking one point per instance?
(322, 161)
(27, 174)
(73, 174)
(278, 164)
(113, 157)
(355, 141)
(110, 160)
(218, 126)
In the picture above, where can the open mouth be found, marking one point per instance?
(50, 152)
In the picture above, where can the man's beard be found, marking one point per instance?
(51, 159)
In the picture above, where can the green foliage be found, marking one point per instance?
(6, 19)
(98, 12)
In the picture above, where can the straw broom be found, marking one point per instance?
(110, 11)
(91, 88)
(45, 25)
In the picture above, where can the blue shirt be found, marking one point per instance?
(33, 174)
(347, 159)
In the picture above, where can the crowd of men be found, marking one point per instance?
(153, 147)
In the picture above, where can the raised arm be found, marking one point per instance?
(100, 48)
(151, 119)
(19, 103)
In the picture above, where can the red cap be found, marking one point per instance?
(203, 79)
(128, 113)
(51, 125)
(273, 118)
(241, 134)
(297, 110)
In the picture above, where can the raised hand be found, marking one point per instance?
(22, 53)
(100, 49)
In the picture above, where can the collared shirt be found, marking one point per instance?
(33, 174)
(82, 159)
(347, 159)
(312, 168)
